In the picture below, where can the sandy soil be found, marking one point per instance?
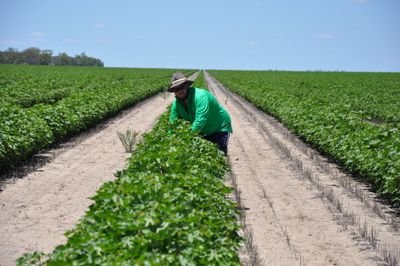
(296, 210)
(38, 209)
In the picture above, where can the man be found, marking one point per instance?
(201, 109)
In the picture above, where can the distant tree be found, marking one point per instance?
(46, 57)
(10, 56)
(34, 56)
(78, 60)
(56, 60)
(81, 59)
(31, 56)
(64, 59)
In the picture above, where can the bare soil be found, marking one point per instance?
(38, 209)
(298, 209)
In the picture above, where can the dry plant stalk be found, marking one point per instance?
(128, 139)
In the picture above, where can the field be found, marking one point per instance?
(291, 192)
(354, 118)
(41, 106)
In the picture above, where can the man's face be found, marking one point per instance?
(182, 91)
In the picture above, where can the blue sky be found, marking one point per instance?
(345, 35)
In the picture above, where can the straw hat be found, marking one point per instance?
(177, 80)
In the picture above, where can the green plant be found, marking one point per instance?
(33, 259)
(169, 207)
(41, 106)
(353, 118)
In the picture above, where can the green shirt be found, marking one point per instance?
(204, 112)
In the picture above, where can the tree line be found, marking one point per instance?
(35, 56)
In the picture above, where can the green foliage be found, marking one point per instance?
(35, 56)
(200, 81)
(170, 207)
(22, 132)
(42, 105)
(352, 117)
(35, 258)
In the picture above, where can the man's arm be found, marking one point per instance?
(173, 115)
(202, 113)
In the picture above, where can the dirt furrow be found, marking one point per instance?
(290, 221)
(38, 209)
(298, 210)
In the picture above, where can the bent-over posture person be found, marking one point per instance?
(201, 109)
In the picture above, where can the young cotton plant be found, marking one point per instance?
(169, 207)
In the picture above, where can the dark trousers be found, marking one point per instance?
(221, 139)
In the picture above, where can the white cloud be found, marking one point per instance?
(37, 34)
(99, 25)
(325, 36)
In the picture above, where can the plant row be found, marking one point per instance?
(169, 207)
(354, 118)
(44, 105)
(200, 81)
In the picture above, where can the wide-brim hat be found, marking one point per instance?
(177, 80)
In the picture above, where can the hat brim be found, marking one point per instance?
(173, 88)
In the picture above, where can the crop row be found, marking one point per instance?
(354, 118)
(40, 105)
(169, 207)
(200, 81)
